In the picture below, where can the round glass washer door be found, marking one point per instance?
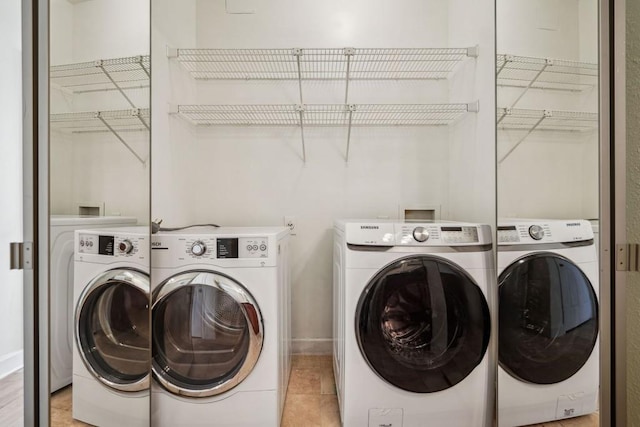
(423, 324)
(112, 329)
(207, 334)
(548, 318)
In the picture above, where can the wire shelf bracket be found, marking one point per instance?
(116, 122)
(531, 120)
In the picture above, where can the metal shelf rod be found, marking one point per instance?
(532, 82)
(117, 135)
(300, 109)
(351, 110)
(100, 65)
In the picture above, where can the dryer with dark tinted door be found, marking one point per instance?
(111, 353)
(220, 327)
(412, 323)
(548, 321)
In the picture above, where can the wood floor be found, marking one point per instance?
(311, 400)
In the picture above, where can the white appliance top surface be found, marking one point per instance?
(73, 220)
(412, 233)
(226, 231)
(517, 231)
(113, 231)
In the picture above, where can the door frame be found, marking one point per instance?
(35, 136)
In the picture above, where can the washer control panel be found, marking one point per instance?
(108, 245)
(416, 234)
(227, 247)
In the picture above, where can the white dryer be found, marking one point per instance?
(61, 289)
(412, 323)
(221, 327)
(548, 321)
(111, 353)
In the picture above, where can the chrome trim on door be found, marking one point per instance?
(131, 277)
(250, 310)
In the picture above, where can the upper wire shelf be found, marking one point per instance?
(119, 74)
(117, 122)
(322, 64)
(545, 73)
(325, 114)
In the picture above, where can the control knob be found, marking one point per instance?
(198, 248)
(125, 246)
(536, 232)
(420, 234)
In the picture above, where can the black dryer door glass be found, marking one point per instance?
(207, 334)
(548, 319)
(112, 330)
(422, 324)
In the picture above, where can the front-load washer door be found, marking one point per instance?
(207, 334)
(548, 318)
(423, 324)
(112, 329)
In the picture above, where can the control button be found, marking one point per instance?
(420, 234)
(125, 246)
(90, 243)
(254, 247)
(263, 247)
(81, 242)
(536, 232)
(198, 248)
(248, 247)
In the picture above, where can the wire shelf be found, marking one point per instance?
(324, 114)
(94, 121)
(550, 120)
(321, 64)
(545, 73)
(106, 74)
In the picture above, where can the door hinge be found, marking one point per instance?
(21, 255)
(627, 257)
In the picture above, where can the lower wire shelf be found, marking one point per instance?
(117, 122)
(347, 115)
(528, 121)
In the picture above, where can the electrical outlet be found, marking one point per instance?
(290, 221)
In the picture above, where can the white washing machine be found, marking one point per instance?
(548, 321)
(111, 353)
(61, 289)
(221, 327)
(412, 323)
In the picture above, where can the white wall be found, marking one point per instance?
(11, 313)
(550, 174)
(96, 167)
(255, 176)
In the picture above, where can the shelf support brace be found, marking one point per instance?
(100, 64)
(297, 52)
(300, 110)
(506, 112)
(117, 135)
(351, 109)
(546, 114)
(507, 59)
(147, 72)
(548, 62)
(348, 52)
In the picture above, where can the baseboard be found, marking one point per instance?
(312, 346)
(11, 363)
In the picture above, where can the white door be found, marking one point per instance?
(11, 288)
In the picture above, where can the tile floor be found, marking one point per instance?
(311, 400)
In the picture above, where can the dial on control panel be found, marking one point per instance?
(198, 248)
(420, 234)
(536, 232)
(125, 246)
